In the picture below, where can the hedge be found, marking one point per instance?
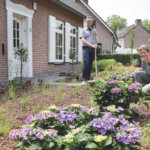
(123, 58)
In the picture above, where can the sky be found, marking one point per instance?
(129, 9)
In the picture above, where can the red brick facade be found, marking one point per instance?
(39, 33)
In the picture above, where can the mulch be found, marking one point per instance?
(20, 112)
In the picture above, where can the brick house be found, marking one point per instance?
(142, 36)
(106, 36)
(48, 28)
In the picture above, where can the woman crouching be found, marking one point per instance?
(143, 74)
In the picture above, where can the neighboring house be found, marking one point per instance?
(48, 28)
(106, 36)
(142, 36)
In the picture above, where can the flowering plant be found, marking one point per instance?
(76, 127)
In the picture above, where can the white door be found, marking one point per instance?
(17, 40)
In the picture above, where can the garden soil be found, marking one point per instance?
(19, 113)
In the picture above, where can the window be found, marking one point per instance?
(73, 38)
(59, 41)
(149, 41)
(16, 33)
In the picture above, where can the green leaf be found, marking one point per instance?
(51, 144)
(118, 146)
(91, 145)
(146, 104)
(80, 137)
(36, 145)
(108, 141)
(58, 139)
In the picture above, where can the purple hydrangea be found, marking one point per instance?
(121, 119)
(132, 74)
(133, 86)
(13, 134)
(67, 116)
(113, 77)
(29, 119)
(124, 77)
(112, 82)
(115, 90)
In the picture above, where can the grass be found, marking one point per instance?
(48, 84)
(61, 87)
(25, 99)
(46, 91)
(77, 89)
(72, 82)
(59, 96)
(35, 88)
(87, 86)
(64, 80)
(12, 87)
(6, 122)
(39, 107)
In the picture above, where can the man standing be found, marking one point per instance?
(87, 37)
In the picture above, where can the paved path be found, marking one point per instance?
(46, 78)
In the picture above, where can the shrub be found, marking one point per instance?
(123, 58)
(101, 64)
(119, 91)
(76, 128)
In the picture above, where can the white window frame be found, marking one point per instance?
(60, 32)
(149, 42)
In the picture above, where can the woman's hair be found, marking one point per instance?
(144, 47)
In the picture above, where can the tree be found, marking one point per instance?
(131, 43)
(117, 21)
(146, 24)
(21, 53)
(72, 56)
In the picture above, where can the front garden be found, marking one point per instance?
(112, 115)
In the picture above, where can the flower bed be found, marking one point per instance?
(77, 127)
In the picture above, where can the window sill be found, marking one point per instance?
(59, 63)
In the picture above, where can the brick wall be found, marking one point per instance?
(104, 35)
(3, 39)
(40, 34)
(141, 37)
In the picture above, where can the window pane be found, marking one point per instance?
(59, 26)
(74, 31)
(56, 38)
(17, 33)
(60, 53)
(14, 24)
(56, 25)
(74, 42)
(57, 53)
(14, 42)
(17, 42)
(17, 25)
(70, 41)
(14, 33)
(60, 39)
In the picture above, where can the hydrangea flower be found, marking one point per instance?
(113, 77)
(13, 134)
(71, 126)
(115, 90)
(29, 119)
(99, 138)
(124, 77)
(136, 108)
(75, 131)
(67, 116)
(68, 138)
(76, 105)
(112, 82)
(133, 86)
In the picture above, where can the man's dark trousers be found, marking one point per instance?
(89, 56)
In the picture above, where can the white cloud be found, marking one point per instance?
(129, 9)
